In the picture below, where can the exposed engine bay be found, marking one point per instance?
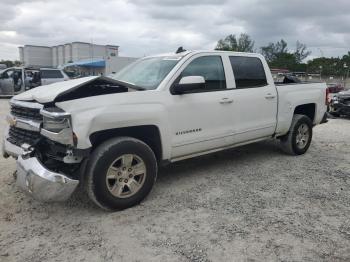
(100, 86)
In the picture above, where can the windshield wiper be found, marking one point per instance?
(139, 88)
(128, 85)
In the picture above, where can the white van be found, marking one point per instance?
(50, 75)
(15, 80)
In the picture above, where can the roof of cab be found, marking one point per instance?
(193, 52)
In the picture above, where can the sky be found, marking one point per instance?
(146, 27)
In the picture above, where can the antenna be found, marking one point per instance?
(180, 50)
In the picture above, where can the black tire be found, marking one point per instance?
(289, 141)
(100, 161)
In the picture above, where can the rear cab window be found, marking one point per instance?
(248, 72)
(51, 74)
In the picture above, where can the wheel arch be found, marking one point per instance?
(149, 134)
(308, 110)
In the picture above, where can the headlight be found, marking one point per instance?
(57, 126)
(335, 98)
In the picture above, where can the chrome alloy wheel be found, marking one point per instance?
(126, 175)
(303, 135)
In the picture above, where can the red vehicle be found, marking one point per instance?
(334, 88)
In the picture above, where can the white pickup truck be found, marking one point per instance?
(111, 134)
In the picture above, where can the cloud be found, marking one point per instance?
(143, 27)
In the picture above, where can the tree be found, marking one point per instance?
(278, 55)
(284, 60)
(346, 59)
(243, 43)
(300, 52)
(10, 63)
(273, 50)
(333, 66)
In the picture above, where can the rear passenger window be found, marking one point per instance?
(211, 68)
(248, 71)
(51, 74)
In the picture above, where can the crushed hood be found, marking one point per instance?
(48, 93)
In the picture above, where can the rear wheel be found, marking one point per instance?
(299, 137)
(121, 173)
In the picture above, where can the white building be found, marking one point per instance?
(91, 59)
(31, 55)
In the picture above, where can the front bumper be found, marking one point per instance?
(340, 108)
(9, 149)
(41, 183)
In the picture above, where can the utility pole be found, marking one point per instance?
(322, 55)
(347, 74)
(92, 56)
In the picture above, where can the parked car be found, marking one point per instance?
(340, 104)
(15, 80)
(112, 134)
(335, 88)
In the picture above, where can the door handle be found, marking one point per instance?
(270, 96)
(226, 100)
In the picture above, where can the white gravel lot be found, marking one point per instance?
(252, 203)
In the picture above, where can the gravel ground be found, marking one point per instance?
(251, 203)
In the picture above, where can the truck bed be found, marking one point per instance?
(291, 95)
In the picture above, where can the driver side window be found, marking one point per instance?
(211, 68)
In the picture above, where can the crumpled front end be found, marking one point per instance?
(41, 139)
(340, 105)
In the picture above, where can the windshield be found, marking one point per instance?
(147, 73)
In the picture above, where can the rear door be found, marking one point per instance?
(49, 76)
(255, 99)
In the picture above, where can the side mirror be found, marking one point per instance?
(188, 84)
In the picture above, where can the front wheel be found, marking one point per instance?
(299, 137)
(121, 172)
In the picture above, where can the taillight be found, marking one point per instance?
(327, 97)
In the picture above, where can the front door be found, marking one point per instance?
(18, 81)
(200, 120)
(7, 82)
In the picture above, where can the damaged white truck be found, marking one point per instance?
(112, 134)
